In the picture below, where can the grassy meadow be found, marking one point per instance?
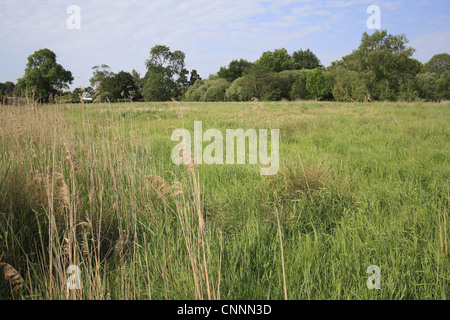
(94, 186)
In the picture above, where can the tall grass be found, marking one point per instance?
(93, 186)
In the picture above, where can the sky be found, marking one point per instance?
(211, 33)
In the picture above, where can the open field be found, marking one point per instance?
(94, 186)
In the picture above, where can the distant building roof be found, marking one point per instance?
(86, 96)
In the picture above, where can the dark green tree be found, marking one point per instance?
(235, 70)
(43, 76)
(443, 86)
(277, 61)
(138, 85)
(305, 60)
(164, 70)
(76, 95)
(439, 64)
(426, 85)
(384, 64)
(256, 80)
(194, 77)
(120, 86)
(157, 87)
(7, 88)
(182, 81)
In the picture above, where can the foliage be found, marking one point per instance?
(235, 70)
(208, 91)
(278, 60)
(443, 86)
(43, 76)
(100, 73)
(381, 68)
(298, 88)
(257, 80)
(194, 77)
(165, 74)
(7, 88)
(120, 86)
(305, 59)
(347, 85)
(238, 91)
(385, 65)
(157, 87)
(439, 64)
(315, 84)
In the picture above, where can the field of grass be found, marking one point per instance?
(94, 186)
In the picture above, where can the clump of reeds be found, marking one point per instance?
(12, 277)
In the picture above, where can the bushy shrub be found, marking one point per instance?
(194, 93)
(238, 91)
(316, 84)
(443, 86)
(348, 85)
(426, 85)
(211, 90)
(298, 88)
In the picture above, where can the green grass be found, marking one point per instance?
(358, 185)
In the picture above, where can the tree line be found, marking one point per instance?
(381, 68)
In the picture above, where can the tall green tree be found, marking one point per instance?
(138, 85)
(138, 81)
(182, 81)
(157, 87)
(165, 72)
(100, 73)
(235, 70)
(304, 60)
(194, 77)
(43, 75)
(385, 64)
(278, 60)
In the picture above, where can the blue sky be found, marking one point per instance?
(210, 32)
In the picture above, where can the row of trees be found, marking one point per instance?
(166, 78)
(381, 68)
